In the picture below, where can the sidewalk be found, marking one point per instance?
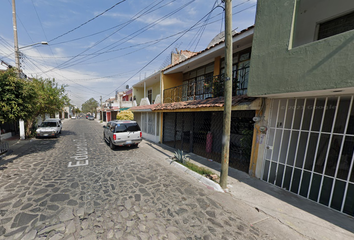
(266, 206)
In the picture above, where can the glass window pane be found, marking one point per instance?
(284, 146)
(338, 195)
(301, 149)
(273, 112)
(350, 129)
(289, 113)
(272, 173)
(292, 148)
(311, 149)
(287, 178)
(329, 115)
(342, 114)
(266, 170)
(315, 187)
(307, 114)
(349, 201)
(326, 190)
(333, 155)
(276, 145)
(346, 158)
(279, 175)
(322, 151)
(305, 183)
(281, 114)
(298, 113)
(296, 181)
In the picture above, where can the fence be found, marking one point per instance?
(4, 146)
(201, 133)
(207, 86)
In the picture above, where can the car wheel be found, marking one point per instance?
(111, 145)
(56, 135)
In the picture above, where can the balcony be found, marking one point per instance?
(207, 86)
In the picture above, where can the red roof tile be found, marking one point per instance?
(210, 102)
(216, 44)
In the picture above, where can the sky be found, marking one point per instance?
(99, 47)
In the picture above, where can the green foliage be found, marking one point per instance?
(180, 157)
(89, 106)
(17, 97)
(27, 98)
(197, 169)
(125, 115)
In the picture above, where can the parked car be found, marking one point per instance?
(50, 127)
(90, 117)
(73, 117)
(122, 133)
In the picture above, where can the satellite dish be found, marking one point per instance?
(127, 87)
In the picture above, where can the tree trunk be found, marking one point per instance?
(29, 127)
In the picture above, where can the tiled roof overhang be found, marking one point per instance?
(212, 104)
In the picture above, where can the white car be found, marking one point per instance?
(50, 127)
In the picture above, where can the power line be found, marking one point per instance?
(136, 33)
(87, 21)
(127, 23)
(160, 53)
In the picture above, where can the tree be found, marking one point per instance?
(89, 106)
(28, 98)
(16, 97)
(51, 98)
(125, 115)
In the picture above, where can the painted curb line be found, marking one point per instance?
(206, 181)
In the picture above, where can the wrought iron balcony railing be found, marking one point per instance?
(207, 86)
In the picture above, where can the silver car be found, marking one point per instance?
(122, 133)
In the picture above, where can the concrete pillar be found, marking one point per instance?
(144, 89)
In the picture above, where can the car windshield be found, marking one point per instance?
(48, 124)
(127, 127)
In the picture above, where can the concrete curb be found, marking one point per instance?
(209, 183)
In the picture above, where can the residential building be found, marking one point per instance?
(191, 108)
(302, 67)
(111, 107)
(147, 94)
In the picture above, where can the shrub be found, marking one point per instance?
(125, 115)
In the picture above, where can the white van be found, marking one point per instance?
(50, 127)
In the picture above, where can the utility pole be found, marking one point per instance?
(227, 95)
(17, 60)
(101, 115)
(17, 52)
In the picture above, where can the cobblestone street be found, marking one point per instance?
(51, 190)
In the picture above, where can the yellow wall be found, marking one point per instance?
(155, 90)
(217, 61)
(138, 93)
(172, 80)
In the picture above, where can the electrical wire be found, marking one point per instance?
(87, 21)
(160, 53)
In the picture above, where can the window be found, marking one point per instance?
(318, 19)
(336, 26)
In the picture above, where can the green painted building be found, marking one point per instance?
(302, 67)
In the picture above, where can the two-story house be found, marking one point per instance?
(302, 57)
(190, 115)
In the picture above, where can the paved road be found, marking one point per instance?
(76, 187)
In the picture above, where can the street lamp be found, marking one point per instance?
(38, 43)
